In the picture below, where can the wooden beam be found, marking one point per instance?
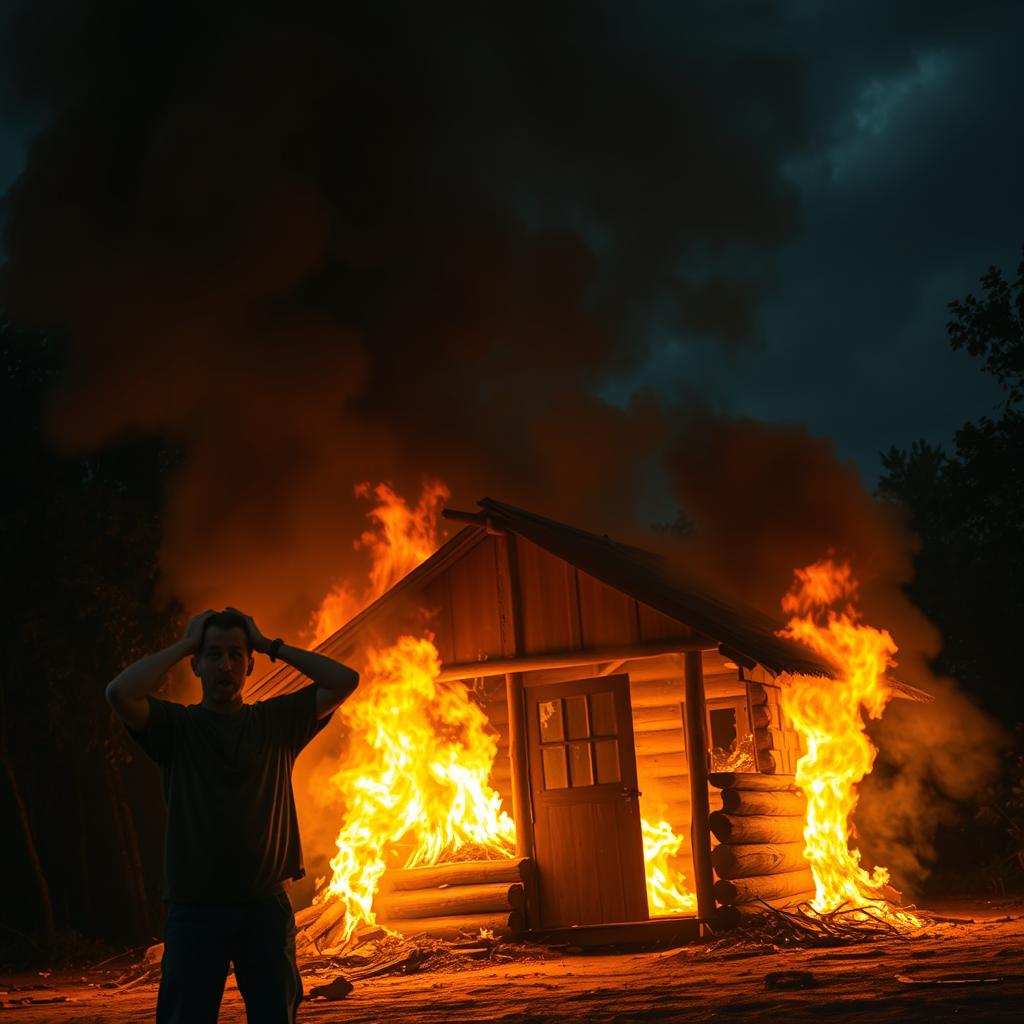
(515, 695)
(697, 758)
(568, 659)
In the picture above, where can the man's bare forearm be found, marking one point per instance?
(324, 671)
(144, 676)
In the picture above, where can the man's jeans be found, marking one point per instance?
(201, 940)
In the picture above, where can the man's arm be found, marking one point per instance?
(127, 693)
(335, 682)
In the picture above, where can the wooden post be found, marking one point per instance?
(697, 760)
(518, 753)
(520, 758)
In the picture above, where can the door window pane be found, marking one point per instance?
(580, 770)
(549, 714)
(554, 768)
(602, 714)
(576, 714)
(606, 754)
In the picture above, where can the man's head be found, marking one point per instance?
(223, 660)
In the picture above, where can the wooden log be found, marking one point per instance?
(756, 694)
(757, 859)
(755, 828)
(763, 887)
(767, 764)
(664, 741)
(760, 716)
(752, 780)
(307, 914)
(452, 900)
(695, 714)
(763, 740)
(655, 694)
(655, 719)
(509, 923)
(330, 914)
(780, 803)
(464, 872)
(661, 766)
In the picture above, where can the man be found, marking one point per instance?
(232, 835)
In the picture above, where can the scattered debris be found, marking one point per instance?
(967, 980)
(785, 981)
(802, 925)
(337, 989)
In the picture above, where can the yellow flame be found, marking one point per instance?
(399, 538)
(828, 715)
(666, 892)
(415, 778)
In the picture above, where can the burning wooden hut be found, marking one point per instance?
(635, 720)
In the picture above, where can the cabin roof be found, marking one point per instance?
(744, 634)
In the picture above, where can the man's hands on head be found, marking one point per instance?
(194, 630)
(259, 642)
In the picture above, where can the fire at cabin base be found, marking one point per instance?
(552, 735)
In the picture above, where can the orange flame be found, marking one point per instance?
(666, 886)
(828, 715)
(415, 778)
(399, 538)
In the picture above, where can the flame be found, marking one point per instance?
(666, 892)
(828, 715)
(399, 538)
(415, 778)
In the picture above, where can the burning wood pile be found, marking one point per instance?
(455, 900)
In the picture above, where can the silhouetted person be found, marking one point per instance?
(232, 835)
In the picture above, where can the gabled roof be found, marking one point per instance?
(744, 633)
(644, 576)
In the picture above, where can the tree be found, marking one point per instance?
(968, 508)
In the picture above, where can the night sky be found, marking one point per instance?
(492, 242)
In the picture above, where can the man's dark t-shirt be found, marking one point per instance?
(232, 832)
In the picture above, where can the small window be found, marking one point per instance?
(581, 772)
(576, 716)
(602, 714)
(549, 714)
(606, 755)
(555, 775)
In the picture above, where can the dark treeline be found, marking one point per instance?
(81, 538)
(81, 855)
(966, 504)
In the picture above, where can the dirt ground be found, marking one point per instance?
(954, 971)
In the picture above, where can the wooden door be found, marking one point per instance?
(587, 839)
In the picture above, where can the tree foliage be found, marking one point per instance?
(967, 506)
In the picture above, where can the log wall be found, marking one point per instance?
(760, 831)
(461, 897)
(776, 743)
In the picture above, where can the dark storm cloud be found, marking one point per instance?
(909, 189)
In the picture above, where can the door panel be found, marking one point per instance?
(588, 843)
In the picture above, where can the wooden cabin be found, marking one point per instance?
(617, 696)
